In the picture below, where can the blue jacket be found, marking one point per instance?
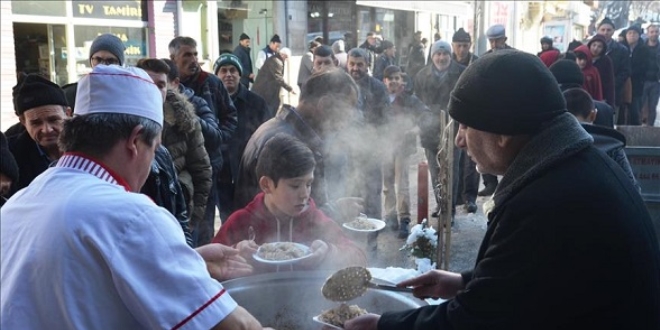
(209, 122)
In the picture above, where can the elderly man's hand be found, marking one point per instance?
(224, 262)
(364, 322)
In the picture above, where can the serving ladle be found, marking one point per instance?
(352, 282)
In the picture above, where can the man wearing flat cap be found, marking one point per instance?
(82, 248)
(549, 260)
(496, 35)
(41, 108)
(432, 85)
(242, 51)
(385, 59)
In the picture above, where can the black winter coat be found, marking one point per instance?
(434, 92)
(213, 91)
(620, 56)
(243, 54)
(640, 59)
(209, 122)
(569, 245)
(31, 160)
(163, 187)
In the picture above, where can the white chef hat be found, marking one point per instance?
(115, 89)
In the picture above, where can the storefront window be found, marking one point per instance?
(44, 8)
(134, 39)
(315, 12)
(385, 23)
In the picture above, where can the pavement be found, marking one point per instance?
(466, 233)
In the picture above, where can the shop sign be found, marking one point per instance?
(127, 10)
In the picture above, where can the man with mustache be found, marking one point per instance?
(183, 52)
(41, 108)
(433, 85)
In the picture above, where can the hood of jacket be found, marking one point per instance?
(562, 138)
(605, 139)
(179, 113)
(284, 233)
(584, 49)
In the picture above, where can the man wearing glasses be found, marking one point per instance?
(106, 49)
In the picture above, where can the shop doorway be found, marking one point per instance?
(41, 48)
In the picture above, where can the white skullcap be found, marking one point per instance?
(115, 89)
(285, 51)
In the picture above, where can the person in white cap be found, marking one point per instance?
(81, 249)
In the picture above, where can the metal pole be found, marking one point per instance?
(445, 159)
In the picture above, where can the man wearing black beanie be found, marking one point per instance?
(242, 51)
(564, 218)
(41, 108)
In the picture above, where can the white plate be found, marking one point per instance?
(380, 224)
(308, 253)
(317, 320)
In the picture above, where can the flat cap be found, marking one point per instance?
(496, 31)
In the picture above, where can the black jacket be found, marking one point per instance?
(213, 91)
(210, 126)
(30, 158)
(640, 58)
(243, 54)
(287, 121)
(612, 143)
(569, 245)
(434, 92)
(653, 72)
(163, 187)
(382, 62)
(372, 52)
(620, 56)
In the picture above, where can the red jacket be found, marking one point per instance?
(311, 225)
(592, 83)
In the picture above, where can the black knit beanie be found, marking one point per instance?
(276, 38)
(461, 36)
(36, 91)
(506, 92)
(607, 20)
(567, 72)
(8, 164)
(243, 37)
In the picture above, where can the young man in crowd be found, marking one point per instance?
(542, 237)
(620, 56)
(285, 212)
(242, 51)
(271, 49)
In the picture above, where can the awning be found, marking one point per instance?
(449, 8)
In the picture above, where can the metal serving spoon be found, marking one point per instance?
(352, 282)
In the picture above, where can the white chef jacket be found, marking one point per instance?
(78, 251)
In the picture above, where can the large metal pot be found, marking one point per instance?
(289, 300)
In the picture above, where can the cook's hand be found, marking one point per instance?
(319, 250)
(224, 262)
(350, 207)
(363, 322)
(435, 284)
(247, 249)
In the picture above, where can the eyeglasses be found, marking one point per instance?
(228, 70)
(96, 60)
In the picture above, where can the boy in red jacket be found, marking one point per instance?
(284, 212)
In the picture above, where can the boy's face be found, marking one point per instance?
(291, 196)
(394, 83)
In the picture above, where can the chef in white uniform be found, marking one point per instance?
(82, 249)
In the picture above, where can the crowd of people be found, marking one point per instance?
(113, 182)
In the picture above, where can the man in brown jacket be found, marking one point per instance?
(271, 78)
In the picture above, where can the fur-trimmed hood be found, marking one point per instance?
(179, 113)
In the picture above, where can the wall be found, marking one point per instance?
(7, 67)
(297, 26)
(165, 26)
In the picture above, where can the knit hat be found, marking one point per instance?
(36, 91)
(637, 28)
(567, 72)
(243, 37)
(111, 89)
(607, 20)
(276, 38)
(8, 164)
(461, 36)
(598, 37)
(110, 43)
(517, 105)
(440, 45)
(227, 59)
